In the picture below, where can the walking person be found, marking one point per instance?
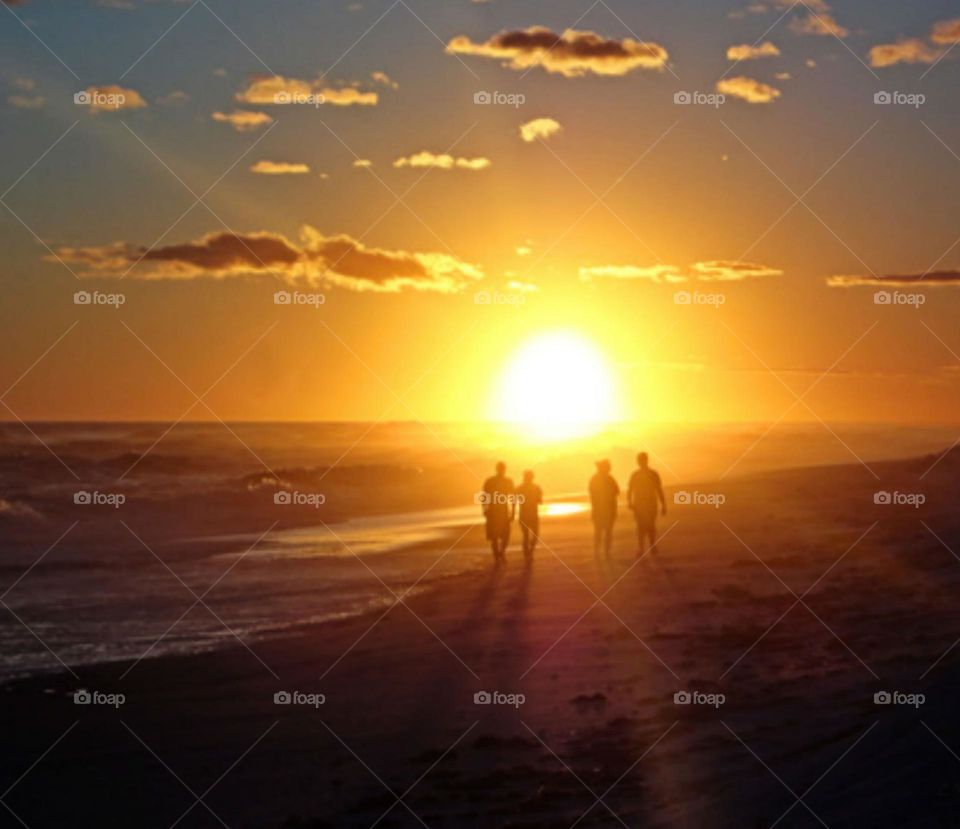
(644, 495)
(604, 492)
(498, 500)
(529, 497)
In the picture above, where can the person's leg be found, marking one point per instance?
(608, 538)
(653, 537)
(597, 537)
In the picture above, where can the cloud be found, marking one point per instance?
(714, 270)
(750, 90)
(522, 287)
(747, 52)
(572, 54)
(722, 270)
(384, 79)
(906, 50)
(243, 120)
(276, 90)
(541, 128)
(109, 98)
(655, 273)
(822, 24)
(932, 279)
(946, 32)
(279, 168)
(27, 101)
(336, 260)
(174, 98)
(443, 161)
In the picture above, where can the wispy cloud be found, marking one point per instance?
(444, 161)
(750, 90)
(745, 51)
(933, 279)
(277, 90)
(243, 120)
(280, 168)
(714, 270)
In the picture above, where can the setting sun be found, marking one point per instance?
(557, 386)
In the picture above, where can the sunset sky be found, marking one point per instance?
(236, 149)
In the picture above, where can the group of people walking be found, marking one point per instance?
(502, 501)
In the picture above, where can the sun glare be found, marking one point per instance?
(557, 386)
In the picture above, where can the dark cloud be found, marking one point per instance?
(572, 54)
(339, 260)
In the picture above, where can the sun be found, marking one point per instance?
(557, 386)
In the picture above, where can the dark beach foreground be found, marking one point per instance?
(779, 614)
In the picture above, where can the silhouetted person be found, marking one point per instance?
(643, 495)
(499, 507)
(530, 497)
(604, 492)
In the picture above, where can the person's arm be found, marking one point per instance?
(630, 491)
(663, 501)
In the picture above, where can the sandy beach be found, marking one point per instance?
(782, 612)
